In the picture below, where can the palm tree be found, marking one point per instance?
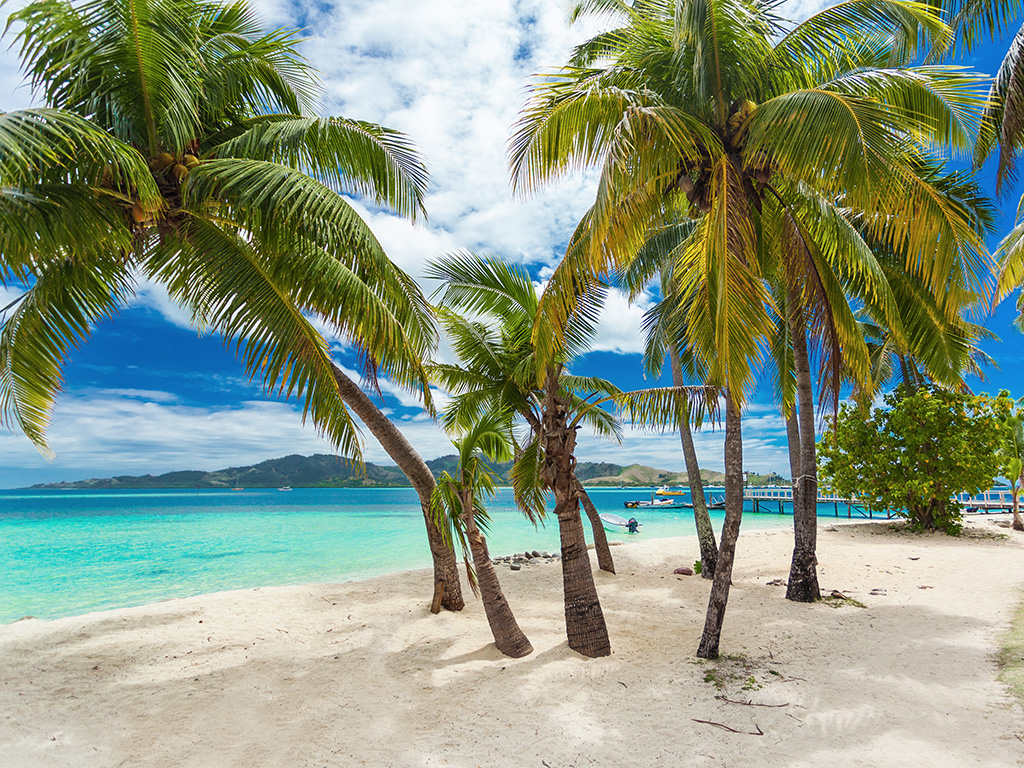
(492, 371)
(498, 373)
(456, 504)
(766, 134)
(1012, 452)
(176, 144)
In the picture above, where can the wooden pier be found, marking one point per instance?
(774, 500)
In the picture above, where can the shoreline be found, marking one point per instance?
(355, 673)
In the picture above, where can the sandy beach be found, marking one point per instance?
(362, 674)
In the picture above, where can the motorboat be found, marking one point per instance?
(655, 504)
(666, 491)
(616, 524)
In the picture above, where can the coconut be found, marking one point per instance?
(191, 161)
(163, 160)
(151, 206)
(141, 214)
(180, 172)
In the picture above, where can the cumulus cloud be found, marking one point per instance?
(451, 74)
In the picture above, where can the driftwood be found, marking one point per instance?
(750, 703)
(758, 732)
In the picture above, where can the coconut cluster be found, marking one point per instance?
(170, 173)
(694, 178)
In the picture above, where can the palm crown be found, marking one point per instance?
(175, 144)
(788, 146)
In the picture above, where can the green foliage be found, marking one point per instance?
(698, 567)
(173, 146)
(915, 455)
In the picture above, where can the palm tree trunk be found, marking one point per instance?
(793, 439)
(604, 552)
(508, 637)
(803, 573)
(701, 518)
(584, 620)
(1018, 524)
(446, 569)
(708, 648)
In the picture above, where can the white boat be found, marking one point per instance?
(616, 524)
(284, 488)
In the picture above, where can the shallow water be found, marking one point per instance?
(69, 552)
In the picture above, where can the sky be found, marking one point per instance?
(148, 394)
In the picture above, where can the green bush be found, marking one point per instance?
(916, 454)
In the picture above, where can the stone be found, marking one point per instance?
(544, 554)
(684, 571)
(516, 566)
(535, 553)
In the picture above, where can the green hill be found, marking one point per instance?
(328, 471)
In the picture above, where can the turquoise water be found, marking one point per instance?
(69, 552)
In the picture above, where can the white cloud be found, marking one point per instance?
(451, 74)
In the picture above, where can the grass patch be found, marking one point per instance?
(1011, 655)
(738, 672)
(838, 602)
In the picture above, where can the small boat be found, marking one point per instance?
(238, 489)
(285, 488)
(665, 491)
(656, 504)
(616, 524)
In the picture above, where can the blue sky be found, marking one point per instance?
(149, 394)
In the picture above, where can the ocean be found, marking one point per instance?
(64, 553)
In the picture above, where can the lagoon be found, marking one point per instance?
(64, 553)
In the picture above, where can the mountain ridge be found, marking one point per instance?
(328, 471)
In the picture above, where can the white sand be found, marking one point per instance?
(361, 673)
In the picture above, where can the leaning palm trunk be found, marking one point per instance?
(446, 570)
(701, 518)
(803, 573)
(584, 620)
(708, 648)
(604, 552)
(508, 637)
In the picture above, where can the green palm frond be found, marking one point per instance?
(51, 319)
(51, 146)
(228, 285)
(527, 486)
(668, 407)
(352, 156)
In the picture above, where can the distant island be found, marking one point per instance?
(328, 471)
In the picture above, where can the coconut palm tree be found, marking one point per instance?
(497, 373)
(499, 370)
(457, 503)
(491, 374)
(765, 133)
(177, 145)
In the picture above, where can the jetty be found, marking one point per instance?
(774, 500)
